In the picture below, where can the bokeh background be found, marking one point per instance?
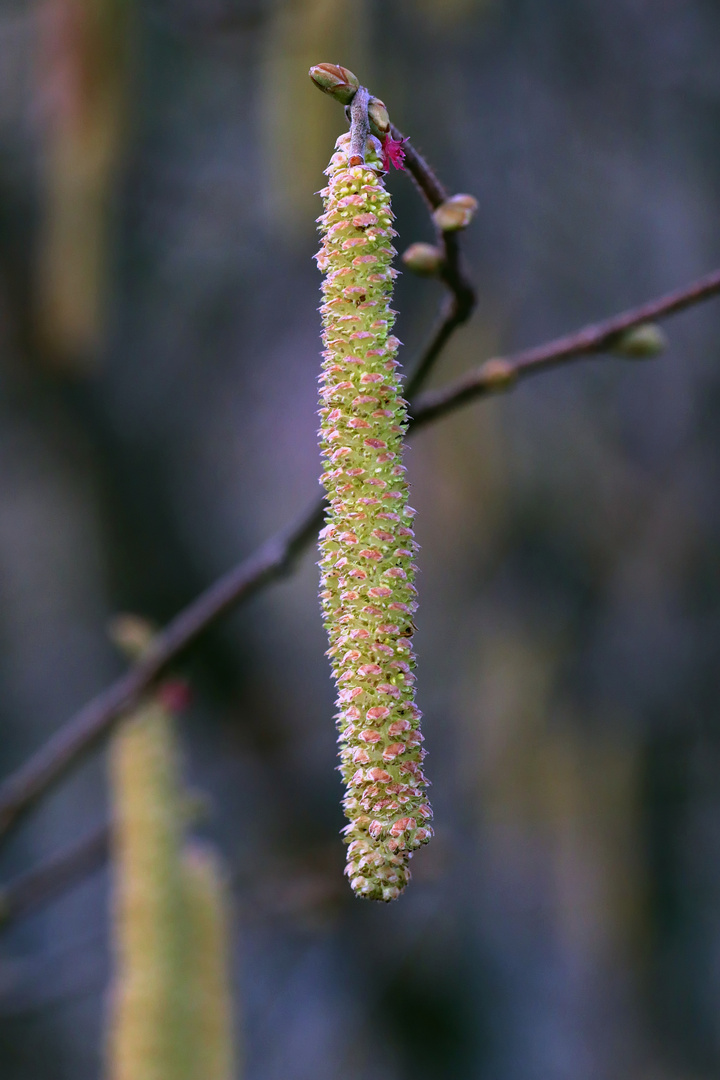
(158, 362)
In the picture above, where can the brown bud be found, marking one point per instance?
(425, 259)
(498, 374)
(132, 634)
(455, 213)
(378, 117)
(335, 80)
(641, 342)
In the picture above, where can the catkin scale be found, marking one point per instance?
(367, 545)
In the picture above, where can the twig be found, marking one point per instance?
(462, 299)
(24, 787)
(427, 182)
(80, 734)
(359, 126)
(42, 884)
(502, 373)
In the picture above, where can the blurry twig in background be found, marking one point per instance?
(83, 71)
(40, 886)
(276, 891)
(46, 767)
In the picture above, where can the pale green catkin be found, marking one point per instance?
(209, 964)
(149, 1033)
(367, 545)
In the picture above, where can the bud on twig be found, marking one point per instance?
(132, 634)
(498, 374)
(378, 116)
(335, 80)
(424, 259)
(641, 342)
(455, 213)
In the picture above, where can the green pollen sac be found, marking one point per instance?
(367, 545)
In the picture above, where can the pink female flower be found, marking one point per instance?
(393, 152)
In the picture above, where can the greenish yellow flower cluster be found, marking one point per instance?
(367, 546)
(149, 1035)
(170, 1007)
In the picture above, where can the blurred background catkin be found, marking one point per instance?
(159, 348)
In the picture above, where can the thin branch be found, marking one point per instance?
(87, 727)
(52, 878)
(427, 182)
(502, 373)
(359, 125)
(461, 299)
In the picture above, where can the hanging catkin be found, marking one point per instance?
(367, 545)
(209, 964)
(150, 1030)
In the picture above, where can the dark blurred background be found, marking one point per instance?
(158, 362)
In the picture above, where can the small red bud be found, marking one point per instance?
(175, 695)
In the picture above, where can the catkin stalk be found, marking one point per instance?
(367, 545)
